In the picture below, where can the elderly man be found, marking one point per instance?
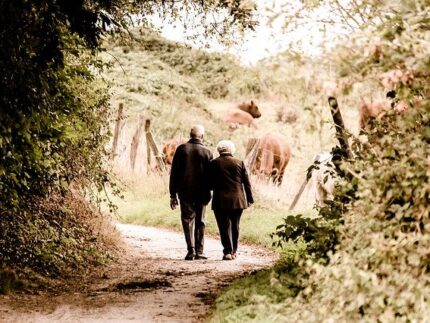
(231, 194)
(189, 182)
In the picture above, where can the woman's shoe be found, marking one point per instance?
(227, 257)
(234, 255)
(190, 256)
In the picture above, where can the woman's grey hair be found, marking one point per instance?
(197, 131)
(226, 146)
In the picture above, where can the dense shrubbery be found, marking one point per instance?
(372, 263)
(379, 269)
(58, 236)
(53, 120)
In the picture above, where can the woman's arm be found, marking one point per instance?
(247, 185)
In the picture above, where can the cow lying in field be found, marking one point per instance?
(323, 178)
(244, 114)
(273, 155)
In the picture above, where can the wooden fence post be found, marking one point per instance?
(135, 143)
(152, 146)
(148, 147)
(150, 142)
(299, 193)
(251, 153)
(340, 127)
(119, 124)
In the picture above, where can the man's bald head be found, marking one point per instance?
(197, 131)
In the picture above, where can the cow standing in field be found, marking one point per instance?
(372, 110)
(244, 114)
(377, 109)
(273, 155)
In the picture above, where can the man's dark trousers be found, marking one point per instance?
(193, 223)
(228, 224)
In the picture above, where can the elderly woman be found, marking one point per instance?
(231, 195)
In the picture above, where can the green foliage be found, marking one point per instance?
(252, 297)
(54, 118)
(59, 237)
(380, 269)
(318, 233)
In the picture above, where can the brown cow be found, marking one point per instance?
(372, 110)
(392, 79)
(378, 108)
(169, 150)
(251, 108)
(244, 114)
(273, 155)
(238, 117)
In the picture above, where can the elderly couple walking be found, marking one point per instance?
(193, 175)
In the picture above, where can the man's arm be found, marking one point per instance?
(175, 172)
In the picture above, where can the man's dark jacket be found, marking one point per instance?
(189, 173)
(230, 183)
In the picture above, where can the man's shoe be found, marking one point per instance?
(227, 257)
(190, 256)
(201, 256)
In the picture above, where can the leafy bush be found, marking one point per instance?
(58, 236)
(54, 112)
(251, 298)
(318, 234)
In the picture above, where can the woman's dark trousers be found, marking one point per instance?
(228, 225)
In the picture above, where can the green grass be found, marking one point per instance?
(260, 297)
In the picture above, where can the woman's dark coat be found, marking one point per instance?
(230, 183)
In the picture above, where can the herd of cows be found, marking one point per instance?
(273, 151)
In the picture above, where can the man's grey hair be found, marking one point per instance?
(197, 131)
(226, 146)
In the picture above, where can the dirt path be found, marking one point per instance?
(151, 283)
